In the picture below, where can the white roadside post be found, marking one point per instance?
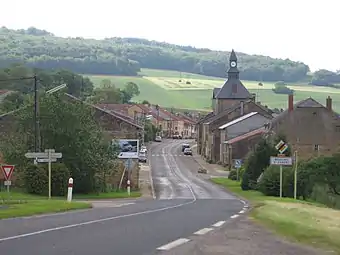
(69, 190)
(128, 187)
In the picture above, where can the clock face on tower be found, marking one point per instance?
(233, 64)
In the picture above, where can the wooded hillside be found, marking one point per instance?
(125, 56)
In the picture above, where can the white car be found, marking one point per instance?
(143, 148)
(142, 157)
(158, 139)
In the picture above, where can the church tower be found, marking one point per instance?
(233, 91)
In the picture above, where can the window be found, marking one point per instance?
(337, 128)
(316, 147)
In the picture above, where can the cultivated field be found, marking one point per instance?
(192, 91)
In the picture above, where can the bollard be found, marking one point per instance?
(69, 190)
(128, 187)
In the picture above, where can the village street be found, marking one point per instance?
(186, 206)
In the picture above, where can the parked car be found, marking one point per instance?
(142, 157)
(184, 146)
(143, 147)
(188, 151)
(158, 139)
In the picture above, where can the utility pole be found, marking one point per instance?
(36, 107)
(143, 127)
(157, 108)
(36, 117)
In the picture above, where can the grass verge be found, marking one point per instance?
(33, 207)
(301, 221)
(109, 195)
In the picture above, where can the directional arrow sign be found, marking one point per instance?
(7, 170)
(46, 160)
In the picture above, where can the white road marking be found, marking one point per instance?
(233, 217)
(242, 211)
(203, 231)
(173, 244)
(94, 221)
(218, 224)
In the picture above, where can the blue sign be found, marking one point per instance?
(238, 163)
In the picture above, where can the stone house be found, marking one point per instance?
(311, 128)
(235, 129)
(239, 147)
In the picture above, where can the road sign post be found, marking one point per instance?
(7, 171)
(238, 165)
(281, 160)
(48, 156)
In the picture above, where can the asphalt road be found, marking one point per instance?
(187, 204)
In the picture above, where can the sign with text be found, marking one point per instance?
(281, 161)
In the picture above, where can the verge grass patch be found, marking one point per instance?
(302, 221)
(33, 207)
(108, 195)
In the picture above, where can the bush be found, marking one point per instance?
(269, 184)
(233, 175)
(283, 90)
(36, 179)
(60, 176)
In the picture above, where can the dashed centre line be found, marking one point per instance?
(203, 231)
(218, 224)
(173, 244)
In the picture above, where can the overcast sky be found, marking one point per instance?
(300, 29)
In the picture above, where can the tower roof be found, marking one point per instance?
(232, 56)
(233, 87)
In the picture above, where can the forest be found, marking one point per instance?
(125, 56)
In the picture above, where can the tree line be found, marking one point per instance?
(20, 80)
(125, 56)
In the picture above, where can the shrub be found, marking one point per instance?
(232, 175)
(36, 179)
(270, 182)
(60, 176)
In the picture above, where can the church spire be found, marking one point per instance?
(233, 87)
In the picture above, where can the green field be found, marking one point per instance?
(170, 89)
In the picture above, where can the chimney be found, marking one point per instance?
(242, 108)
(290, 102)
(329, 103)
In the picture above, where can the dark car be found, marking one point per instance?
(184, 146)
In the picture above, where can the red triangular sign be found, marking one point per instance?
(7, 170)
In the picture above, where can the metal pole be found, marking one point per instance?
(281, 181)
(143, 128)
(295, 175)
(49, 175)
(36, 121)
